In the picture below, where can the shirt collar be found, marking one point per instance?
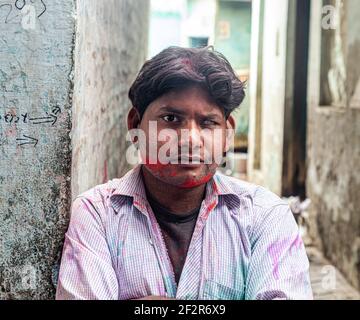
(131, 184)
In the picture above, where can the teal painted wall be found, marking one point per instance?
(165, 31)
(236, 48)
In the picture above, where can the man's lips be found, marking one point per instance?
(187, 160)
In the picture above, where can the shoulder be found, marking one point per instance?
(260, 207)
(96, 195)
(261, 197)
(122, 185)
(100, 196)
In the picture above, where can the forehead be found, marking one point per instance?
(189, 100)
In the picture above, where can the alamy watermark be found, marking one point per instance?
(171, 147)
(330, 16)
(328, 280)
(19, 278)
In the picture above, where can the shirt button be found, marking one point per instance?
(151, 242)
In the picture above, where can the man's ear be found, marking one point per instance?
(133, 122)
(230, 122)
(230, 132)
(133, 119)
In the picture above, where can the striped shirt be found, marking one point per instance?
(245, 245)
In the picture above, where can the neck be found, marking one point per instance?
(175, 199)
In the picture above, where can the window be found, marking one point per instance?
(198, 42)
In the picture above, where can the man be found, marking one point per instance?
(173, 227)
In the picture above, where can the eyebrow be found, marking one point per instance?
(178, 111)
(172, 110)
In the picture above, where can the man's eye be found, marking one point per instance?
(170, 118)
(209, 122)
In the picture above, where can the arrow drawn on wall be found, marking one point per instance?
(28, 140)
(50, 118)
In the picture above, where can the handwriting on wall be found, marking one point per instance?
(14, 13)
(36, 86)
(15, 9)
(12, 118)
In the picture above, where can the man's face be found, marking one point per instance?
(186, 135)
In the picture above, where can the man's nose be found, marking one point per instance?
(191, 135)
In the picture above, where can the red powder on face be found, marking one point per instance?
(193, 182)
(163, 170)
(170, 170)
(157, 167)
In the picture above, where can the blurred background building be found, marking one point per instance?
(195, 23)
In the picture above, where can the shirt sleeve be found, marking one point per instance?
(279, 267)
(86, 270)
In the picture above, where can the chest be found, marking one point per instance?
(214, 268)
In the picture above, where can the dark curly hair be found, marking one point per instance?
(176, 68)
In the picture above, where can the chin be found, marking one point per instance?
(191, 176)
(184, 176)
(192, 182)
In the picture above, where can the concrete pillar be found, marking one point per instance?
(268, 94)
(111, 46)
(255, 92)
(36, 64)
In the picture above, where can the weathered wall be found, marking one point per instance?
(268, 89)
(333, 180)
(36, 45)
(111, 46)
